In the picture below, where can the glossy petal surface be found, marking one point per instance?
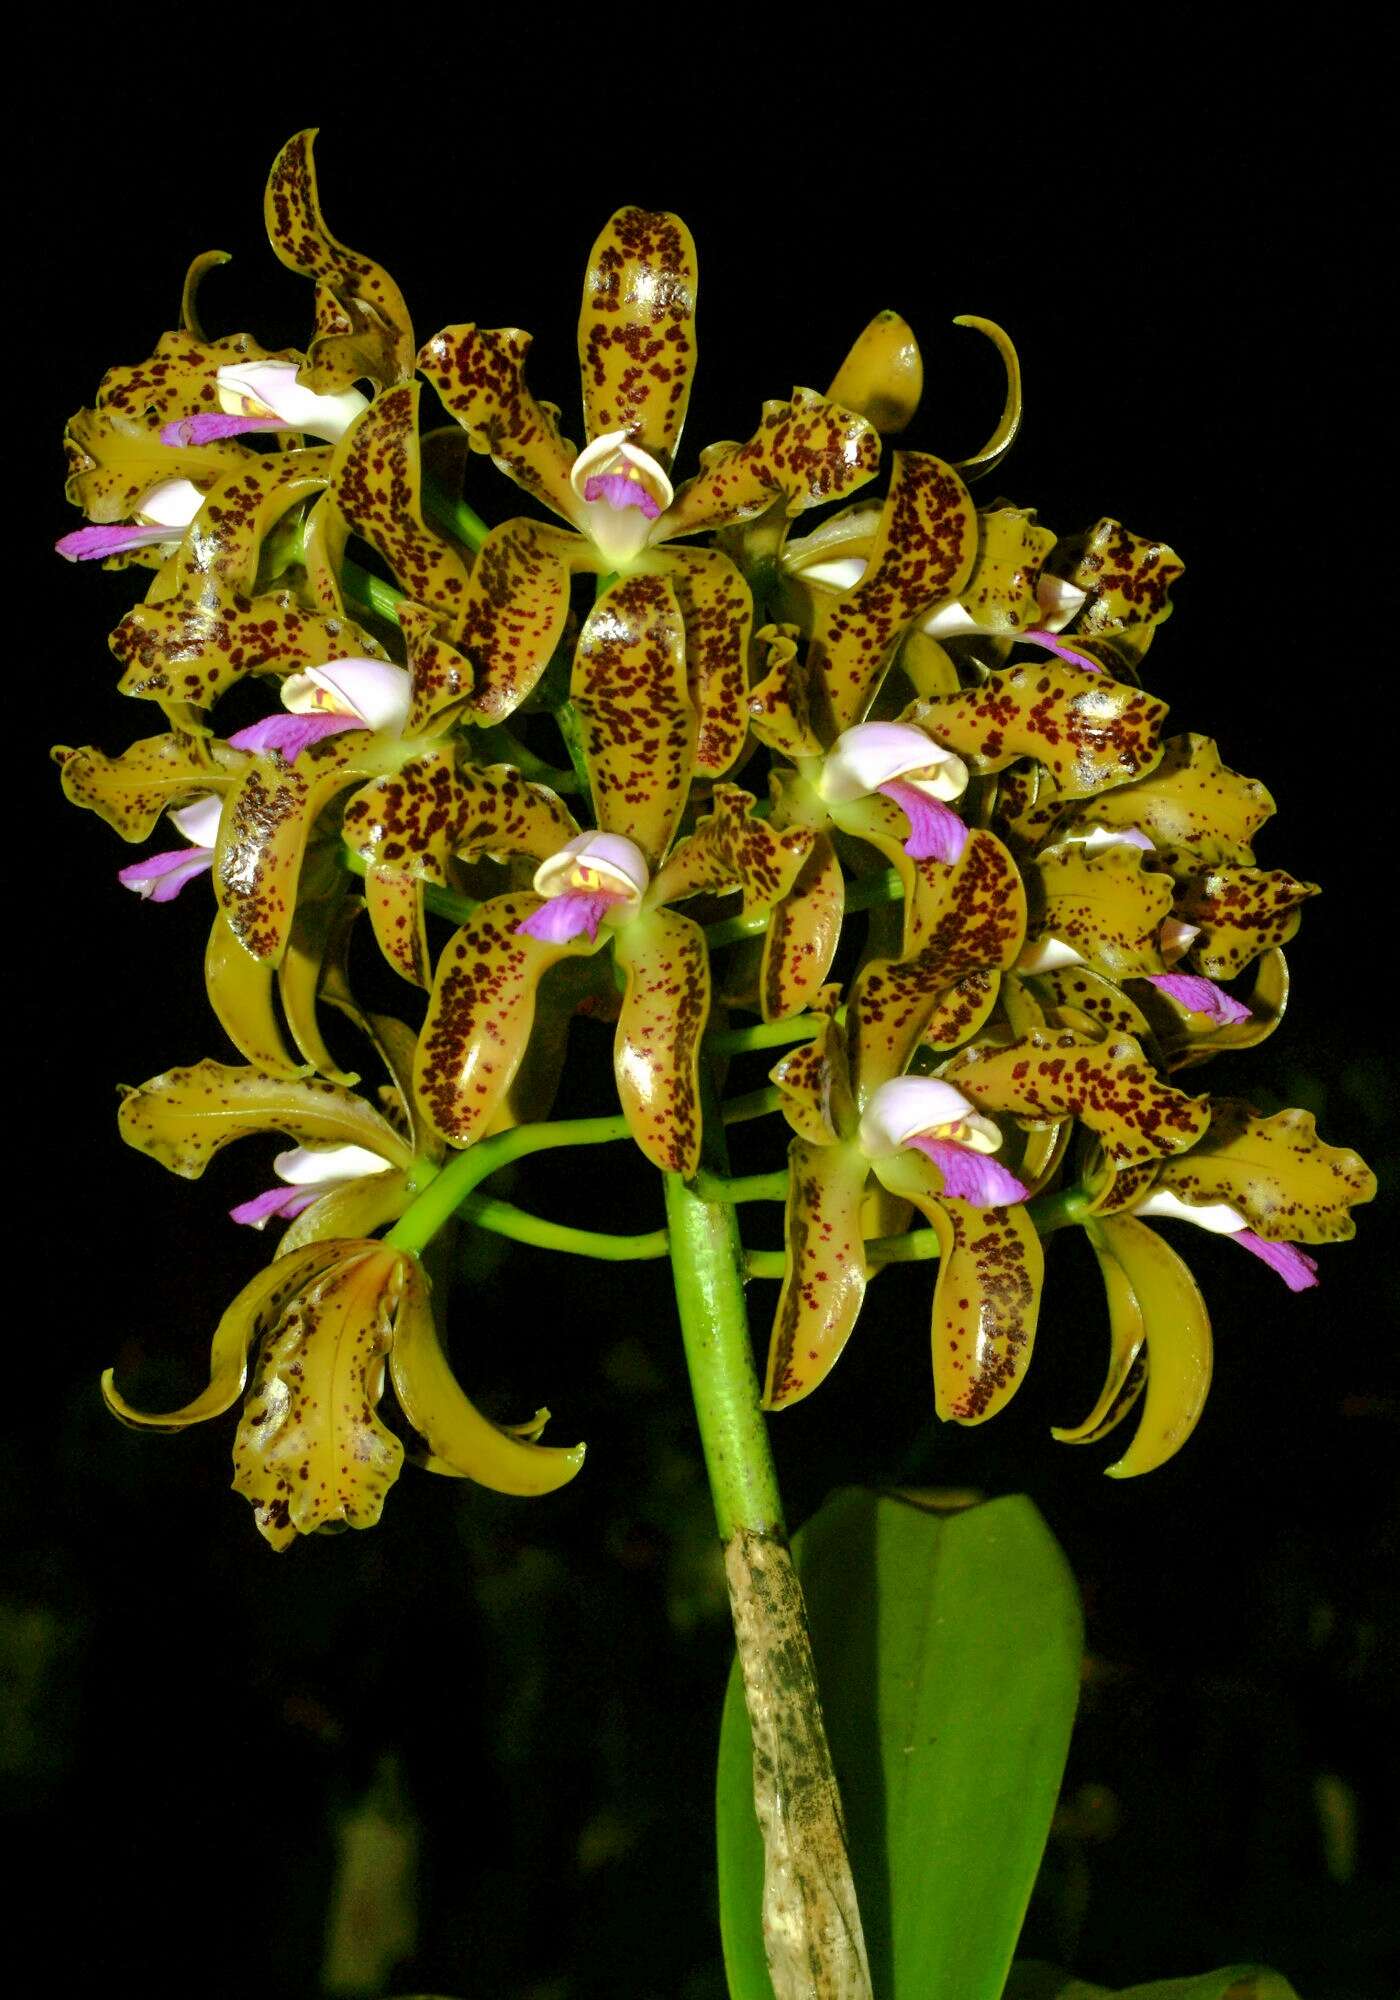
(194, 647)
(882, 378)
(656, 1055)
(1110, 1085)
(479, 373)
(1128, 580)
(515, 612)
(630, 693)
(923, 552)
(479, 1017)
(999, 596)
(1108, 907)
(1276, 1172)
(1197, 812)
(1089, 732)
(131, 791)
(362, 323)
(1239, 913)
(266, 823)
(780, 707)
(184, 1116)
(805, 452)
(816, 1088)
(310, 1449)
(732, 848)
(636, 330)
(804, 929)
(825, 1281)
(717, 612)
(1126, 1376)
(376, 483)
(1180, 1353)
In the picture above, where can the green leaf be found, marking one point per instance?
(1031, 1980)
(948, 1650)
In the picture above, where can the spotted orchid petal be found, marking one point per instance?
(636, 330)
(1088, 735)
(803, 933)
(369, 694)
(1200, 996)
(733, 848)
(805, 452)
(480, 1014)
(161, 877)
(656, 1053)
(1110, 1085)
(1276, 1175)
(223, 546)
(923, 552)
(193, 647)
(814, 1084)
(362, 322)
(963, 927)
(1238, 913)
(376, 489)
(479, 374)
(242, 992)
(717, 611)
(824, 1283)
(631, 695)
(263, 835)
(289, 735)
(1127, 583)
(184, 1116)
(310, 1450)
(514, 614)
(1002, 594)
(1197, 812)
(1106, 908)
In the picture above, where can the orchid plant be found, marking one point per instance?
(887, 801)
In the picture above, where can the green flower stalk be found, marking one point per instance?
(919, 731)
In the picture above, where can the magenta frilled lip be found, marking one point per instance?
(619, 491)
(565, 917)
(289, 735)
(1200, 996)
(1297, 1269)
(208, 426)
(95, 543)
(935, 831)
(284, 1202)
(161, 877)
(1038, 636)
(970, 1176)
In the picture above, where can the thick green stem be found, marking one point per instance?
(707, 1259)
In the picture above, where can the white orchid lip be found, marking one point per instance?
(171, 504)
(198, 822)
(375, 691)
(1057, 602)
(613, 452)
(876, 753)
(267, 389)
(304, 1166)
(1217, 1216)
(595, 864)
(923, 1107)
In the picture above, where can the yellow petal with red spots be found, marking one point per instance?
(132, 790)
(986, 1302)
(1089, 732)
(376, 483)
(780, 706)
(224, 542)
(815, 1086)
(1110, 1085)
(310, 1451)
(1128, 580)
(266, 823)
(717, 611)
(965, 918)
(515, 612)
(183, 1117)
(114, 461)
(923, 553)
(1109, 906)
(419, 817)
(1239, 913)
(732, 848)
(1000, 594)
(656, 1054)
(805, 452)
(636, 330)
(629, 691)
(362, 323)
(194, 647)
(1196, 811)
(1286, 1182)
(804, 929)
(479, 373)
(824, 1286)
(479, 1017)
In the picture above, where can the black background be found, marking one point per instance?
(1188, 245)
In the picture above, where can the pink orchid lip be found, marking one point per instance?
(564, 917)
(1297, 1269)
(1038, 636)
(970, 1176)
(289, 735)
(208, 426)
(935, 831)
(286, 1202)
(161, 877)
(619, 491)
(94, 544)
(1200, 996)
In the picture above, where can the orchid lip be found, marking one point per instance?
(307, 1166)
(910, 1107)
(198, 822)
(873, 754)
(614, 454)
(1094, 839)
(268, 395)
(1200, 996)
(596, 863)
(1218, 1217)
(161, 877)
(375, 693)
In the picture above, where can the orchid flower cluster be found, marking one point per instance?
(887, 795)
